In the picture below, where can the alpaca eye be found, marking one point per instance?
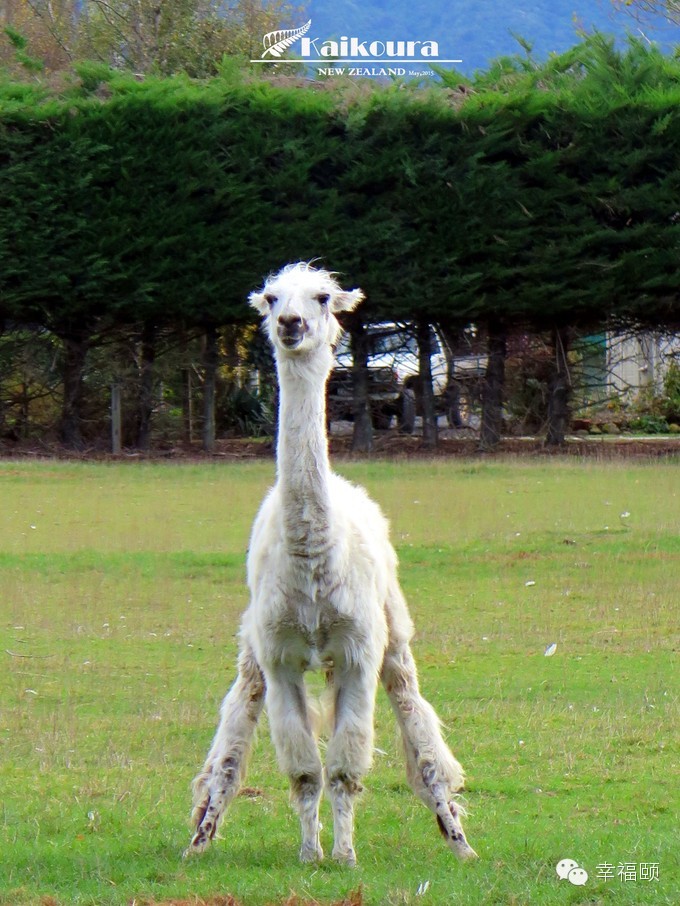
(323, 298)
(271, 299)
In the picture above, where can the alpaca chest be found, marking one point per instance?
(315, 600)
(313, 625)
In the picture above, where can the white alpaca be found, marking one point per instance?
(324, 595)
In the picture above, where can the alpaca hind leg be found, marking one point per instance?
(298, 756)
(225, 766)
(432, 771)
(350, 751)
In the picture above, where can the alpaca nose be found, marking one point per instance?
(290, 323)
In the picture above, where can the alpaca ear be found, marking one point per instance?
(346, 300)
(259, 302)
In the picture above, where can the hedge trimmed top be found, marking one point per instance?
(544, 195)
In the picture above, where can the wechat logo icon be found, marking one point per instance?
(570, 871)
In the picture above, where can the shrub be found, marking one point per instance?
(649, 424)
(242, 412)
(671, 387)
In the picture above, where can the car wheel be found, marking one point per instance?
(453, 417)
(451, 403)
(407, 420)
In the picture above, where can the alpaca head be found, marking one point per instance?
(299, 305)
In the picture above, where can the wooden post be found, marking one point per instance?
(116, 446)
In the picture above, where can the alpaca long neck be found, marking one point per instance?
(302, 455)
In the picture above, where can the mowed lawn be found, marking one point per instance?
(120, 592)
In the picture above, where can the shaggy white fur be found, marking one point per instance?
(324, 595)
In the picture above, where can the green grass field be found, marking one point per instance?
(121, 587)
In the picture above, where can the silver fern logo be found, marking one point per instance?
(275, 43)
(315, 51)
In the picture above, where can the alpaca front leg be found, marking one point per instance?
(350, 751)
(298, 755)
(433, 772)
(225, 766)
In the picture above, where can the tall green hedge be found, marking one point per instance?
(544, 196)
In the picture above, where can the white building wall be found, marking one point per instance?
(637, 362)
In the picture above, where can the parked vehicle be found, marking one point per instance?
(393, 376)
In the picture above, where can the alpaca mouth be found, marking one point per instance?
(291, 340)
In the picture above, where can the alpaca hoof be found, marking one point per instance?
(464, 851)
(452, 831)
(461, 848)
(311, 854)
(201, 839)
(345, 857)
(199, 844)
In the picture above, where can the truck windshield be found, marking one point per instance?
(396, 341)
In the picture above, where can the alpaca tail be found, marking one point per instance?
(321, 709)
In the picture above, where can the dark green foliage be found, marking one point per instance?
(243, 412)
(649, 424)
(547, 196)
(671, 388)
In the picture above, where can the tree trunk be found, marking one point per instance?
(453, 416)
(559, 390)
(116, 419)
(146, 376)
(492, 387)
(210, 361)
(455, 340)
(187, 389)
(187, 407)
(429, 410)
(362, 436)
(70, 423)
(2, 395)
(21, 423)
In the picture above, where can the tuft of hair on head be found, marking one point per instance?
(339, 299)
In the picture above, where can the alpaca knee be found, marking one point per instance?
(440, 767)
(305, 789)
(344, 785)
